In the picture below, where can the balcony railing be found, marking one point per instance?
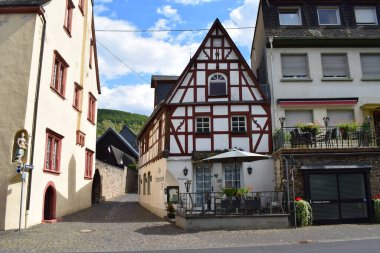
(215, 203)
(330, 137)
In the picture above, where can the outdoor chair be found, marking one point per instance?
(297, 138)
(334, 137)
(252, 205)
(276, 202)
(325, 138)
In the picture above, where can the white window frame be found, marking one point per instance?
(347, 66)
(299, 17)
(218, 80)
(203, 128)
(369, 77)
(307, 76)
(370, 8)
(329, 8)
(240, 124)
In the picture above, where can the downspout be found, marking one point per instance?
(35, 111)
(274, 106)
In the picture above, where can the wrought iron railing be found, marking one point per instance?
(215, 203)
(330, 137)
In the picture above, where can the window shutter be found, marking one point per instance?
(340, 116)
(296, 117)
(294, 66)
(370, 65)
(334, 65)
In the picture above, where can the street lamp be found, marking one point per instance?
(187, 185)
(368, 120)
(282, 121)
(326, 121)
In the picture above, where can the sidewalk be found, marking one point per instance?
(122, 224)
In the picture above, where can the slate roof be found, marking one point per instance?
(129, 136)
(133, 150)
(121, 157)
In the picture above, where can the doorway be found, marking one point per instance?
(202, 183)
(96, 191)
(49, 203)
(338, 197)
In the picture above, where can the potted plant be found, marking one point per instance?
(312, 128)
(171, 210)
(376, 206)
(346, 128)
(304, 214)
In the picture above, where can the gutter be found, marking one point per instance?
(35, 112)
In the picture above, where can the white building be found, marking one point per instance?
(49, 87)
(214, 105)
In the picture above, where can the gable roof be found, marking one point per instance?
(121, 157)
(22, 2)
(120, 137)
(217, 25)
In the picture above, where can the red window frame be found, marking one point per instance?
(77, 99)
(81, 6)
(52, 152)
(81, 138)
(58, 76)
(67, 25)
(91, 108)
(88, 164)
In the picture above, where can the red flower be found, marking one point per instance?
(377, 196)
(298, 198)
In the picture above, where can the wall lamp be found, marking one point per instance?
(249, 170)
(185, 171)
(282, 121)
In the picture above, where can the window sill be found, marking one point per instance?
(87, 178)
(57, 173)
(56, 92)
(81, 10)
(67, 30)
(77, 109)
(217, 96)
(239, 133)
(296, 80)
(370, 79)
(91, 121)
(337, 79)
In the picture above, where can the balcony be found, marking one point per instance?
(326, 138)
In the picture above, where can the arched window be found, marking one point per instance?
(217, 85)
(144, 184)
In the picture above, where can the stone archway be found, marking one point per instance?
(50, 198)
(96, 192)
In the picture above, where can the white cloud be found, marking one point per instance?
(169, 12)
(243, 16)
(136, 98)
(144, 54)
(100, 8)
(193, 2)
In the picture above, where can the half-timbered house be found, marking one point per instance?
(214, 105)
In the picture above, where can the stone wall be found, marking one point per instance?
(113, 180)
(309, 157)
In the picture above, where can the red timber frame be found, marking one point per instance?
(246, 92)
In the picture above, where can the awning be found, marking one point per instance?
(370, 106)
(355, 166)
(317, 101)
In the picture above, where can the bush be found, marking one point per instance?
(376, 205)
(304, 214)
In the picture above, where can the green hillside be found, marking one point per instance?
(117, 119)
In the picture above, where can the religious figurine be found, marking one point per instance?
(21, 148)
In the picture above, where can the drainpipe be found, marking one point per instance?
(35, 111)
(274, 106)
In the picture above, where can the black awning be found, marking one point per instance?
(351, 166)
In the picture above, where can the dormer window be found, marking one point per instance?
(290, 16)
(328, 16)
(365, 16)
(217, 85)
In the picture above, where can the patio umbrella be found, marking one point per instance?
(236, 156)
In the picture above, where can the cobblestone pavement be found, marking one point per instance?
(122, 225)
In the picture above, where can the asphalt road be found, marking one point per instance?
(360, 246)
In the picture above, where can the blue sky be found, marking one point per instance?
(123, 54)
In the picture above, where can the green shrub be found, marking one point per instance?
(230, 191)
(304, 214)
(376, 205)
